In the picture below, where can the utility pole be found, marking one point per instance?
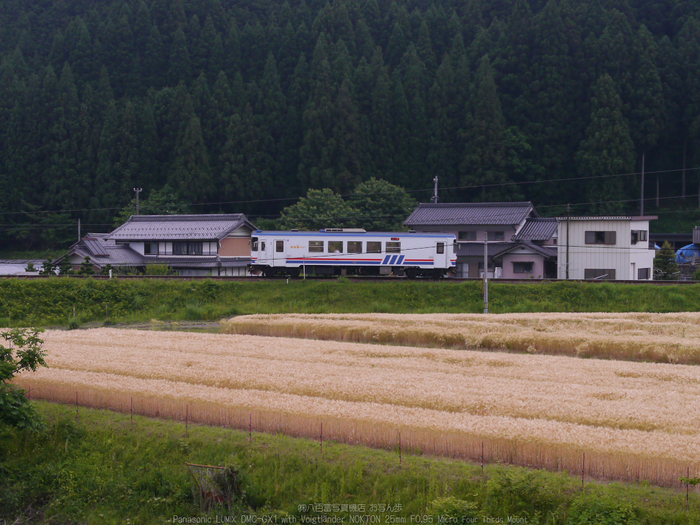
(434, 198)
(568, 216)
(137, 191)
(641, 207)
(79, 230)
(486, 272)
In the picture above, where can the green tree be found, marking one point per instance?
(665, 267)
(164, 201)
(607, 151)
(381, 206)
(319, 209)
(485, 159)
(23, 353)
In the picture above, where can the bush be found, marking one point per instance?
(592, 510)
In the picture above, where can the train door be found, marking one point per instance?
(440, 256)
(279, 255)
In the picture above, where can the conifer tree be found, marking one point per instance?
(483, 166)
(607, 151)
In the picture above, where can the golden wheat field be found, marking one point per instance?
(632, 420)
(661, 338)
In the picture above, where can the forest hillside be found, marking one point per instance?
(241, 106)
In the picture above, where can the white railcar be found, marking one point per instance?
(344, 251)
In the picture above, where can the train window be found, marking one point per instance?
(335, 246)
(440, 247)
(393, 247)
(254, 244)
(374, 247)
(354, 246)
(262, 246)
(279, 246)
(315, 246)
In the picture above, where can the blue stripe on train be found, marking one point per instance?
(390, 260)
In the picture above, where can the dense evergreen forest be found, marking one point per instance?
(242, 106)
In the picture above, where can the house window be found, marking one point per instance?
(315, 246)
(639, 236)
(187, 248)
(354, 246)
(335, 246)
(374, 247)
(604, 237)
(150, 248)
(523, 267)
(440, 248)
(279, 246)
(393, 247)
(467, 236)
(498, 236)
(600, 274)
(644, 274)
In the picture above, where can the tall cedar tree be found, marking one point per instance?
(607, 152)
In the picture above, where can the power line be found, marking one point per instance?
(348, 195)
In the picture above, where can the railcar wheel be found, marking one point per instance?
(412, 273)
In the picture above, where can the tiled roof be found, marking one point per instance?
(496, 249)
(480, 213)
(537, 229)
(103, 252)
(179, 227)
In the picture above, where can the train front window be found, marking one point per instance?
(315, 246)
(393, 247)
(354, 246)
(374, 247)
(254, 244)
(335, 246)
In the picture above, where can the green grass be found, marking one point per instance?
(65, 302)
(101, 469)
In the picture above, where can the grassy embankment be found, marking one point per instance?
(73, 302)
(102, 469)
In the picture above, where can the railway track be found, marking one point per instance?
(447, 281)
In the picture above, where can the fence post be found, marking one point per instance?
(482, 460)
(131, 411)
(321, 437)
(76, 406)
(583, 469)
(399, 448)
(250, 428)
(187, 420)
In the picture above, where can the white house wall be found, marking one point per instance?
(623, 257)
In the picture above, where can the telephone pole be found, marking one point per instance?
(434, 198)
(568, 216)
(486, 272)
(137, 191)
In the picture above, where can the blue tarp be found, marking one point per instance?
(688, 254)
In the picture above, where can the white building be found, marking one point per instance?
(614, 248)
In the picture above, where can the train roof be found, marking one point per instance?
(335, 232)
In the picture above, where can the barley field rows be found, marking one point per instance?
(632, 420)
